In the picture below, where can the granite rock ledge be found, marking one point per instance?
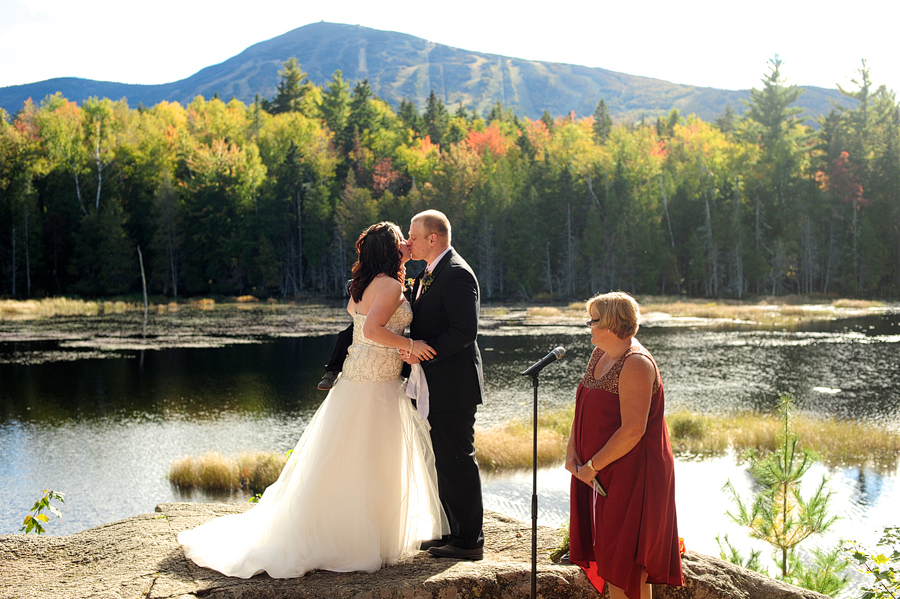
(139, 557)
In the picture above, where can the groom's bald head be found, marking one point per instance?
(429, 235)
(434, 221)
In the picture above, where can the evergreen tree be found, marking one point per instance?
(362, 113)
(410, 117)
(775, 125)
(547, 119)
(290, 89)
(725, 123)
(336, 104)
(437, 119)
(778, 514)
(602, 122)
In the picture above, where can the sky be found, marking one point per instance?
(698, 42)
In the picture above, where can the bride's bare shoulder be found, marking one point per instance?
(385, 282)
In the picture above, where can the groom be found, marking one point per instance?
(445, 304)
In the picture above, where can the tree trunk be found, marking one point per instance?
(298, 201)
(14, 262)
(665, 198)
(78, 190)
(486, 258)
(857, 279)
(27, 258)
(830, 259)
(570, 274)
(549, 271)
(100, 167)
(736, 228)
(143, 276)
(758, 234)
(589, 180)
(713, 262)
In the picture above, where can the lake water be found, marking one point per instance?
(98, 407)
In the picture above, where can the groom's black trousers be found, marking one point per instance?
(459, 483)
(339, 353)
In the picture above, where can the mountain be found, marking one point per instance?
(403, 66)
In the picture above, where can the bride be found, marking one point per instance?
(359, 490)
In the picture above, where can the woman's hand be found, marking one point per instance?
(422, 351)
(572, 464)
(586, 474)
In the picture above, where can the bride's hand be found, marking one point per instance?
(422, 351)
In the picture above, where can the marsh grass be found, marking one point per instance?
(856, 303)
(836, 442)
(44, 308)
(509, 447)
(772, 310)
(252, 472)
(543, 311)
(60, 306)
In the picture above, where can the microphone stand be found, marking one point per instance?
(533, 371)
(534, 498)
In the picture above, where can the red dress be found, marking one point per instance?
(634, 527)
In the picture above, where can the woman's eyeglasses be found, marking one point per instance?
(592, 322)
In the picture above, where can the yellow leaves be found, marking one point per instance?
(209, 120)
(572, 146)
(225, 163)
(309, 138)
(696, 150)
(420, 158)
(539, 136)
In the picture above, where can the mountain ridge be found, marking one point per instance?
(400, 65)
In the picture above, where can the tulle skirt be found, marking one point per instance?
(358, 491)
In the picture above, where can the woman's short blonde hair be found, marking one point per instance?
(616, 311)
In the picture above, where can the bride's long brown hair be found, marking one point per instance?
(378, 248)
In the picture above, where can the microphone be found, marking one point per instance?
(554, 355)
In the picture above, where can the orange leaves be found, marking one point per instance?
(659, 150)
(488, 140)
(427, 146)
(538, 133)
(843, 181)
(383, 175)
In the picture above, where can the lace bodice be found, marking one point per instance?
(370, 361)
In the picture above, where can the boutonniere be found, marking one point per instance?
(427, 279)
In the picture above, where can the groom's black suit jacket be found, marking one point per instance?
(446, 317)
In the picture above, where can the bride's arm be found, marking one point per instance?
(388, 297)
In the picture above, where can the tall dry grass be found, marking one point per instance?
(510, 447)
(252, 472)
(59, 306)
(836, 442)
(771, 310)
(45, 308)
(856, 303)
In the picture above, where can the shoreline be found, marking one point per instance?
(139, 557)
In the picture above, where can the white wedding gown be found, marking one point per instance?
(358, 491)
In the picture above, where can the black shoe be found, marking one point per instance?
(327, 381)
(426, 545)
(457, 552)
